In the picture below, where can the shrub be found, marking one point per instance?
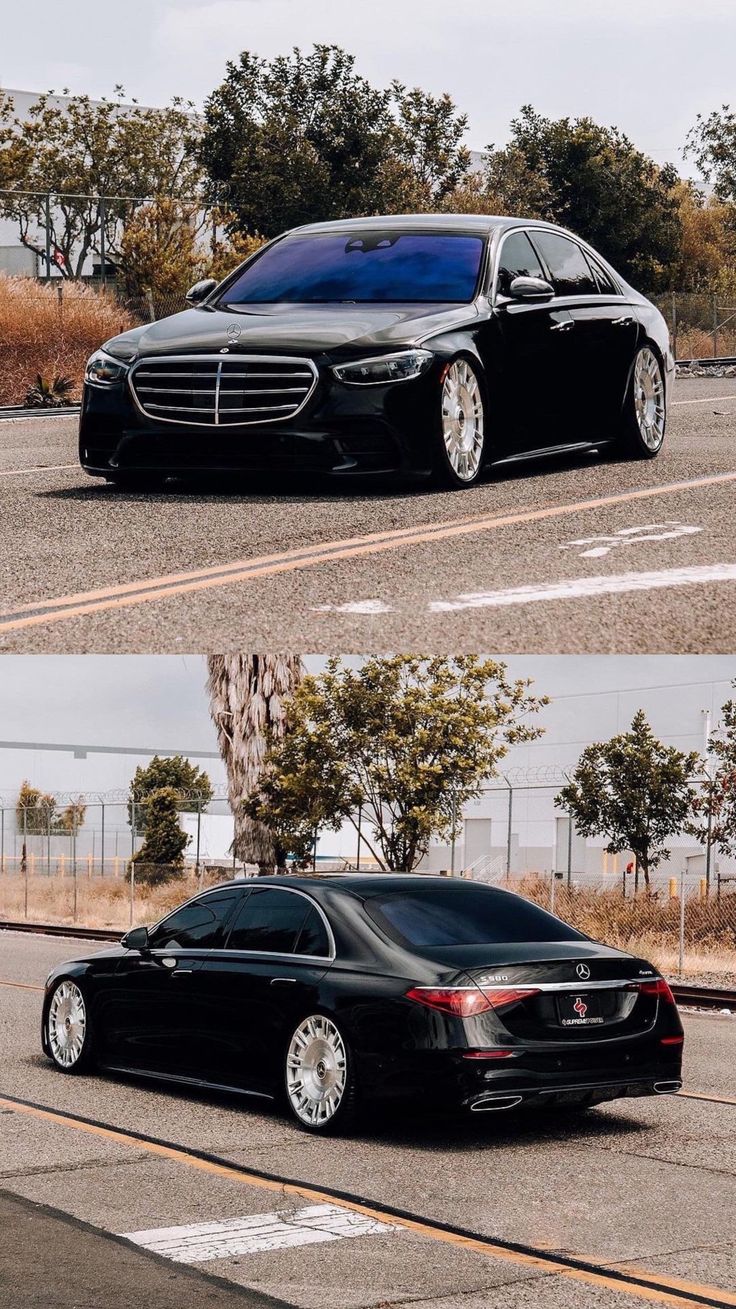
(49, 331)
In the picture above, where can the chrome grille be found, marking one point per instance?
(222, 390)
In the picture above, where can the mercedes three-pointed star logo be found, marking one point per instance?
(583, 971)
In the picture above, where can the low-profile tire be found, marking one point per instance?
(68, 1028)
(461, 452)
(320, 1085)
(644, 416)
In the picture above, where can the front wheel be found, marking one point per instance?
(68, 1033)
(644, 418)
(320, 1077)
(462, 444)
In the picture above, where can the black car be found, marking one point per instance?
(328, 992)
(433, 345)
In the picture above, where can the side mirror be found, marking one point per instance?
(531, 288)
(199, 292)
(136, 939)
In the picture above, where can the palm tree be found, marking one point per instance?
(248, 694)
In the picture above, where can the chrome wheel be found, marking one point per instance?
(316, 1071)
(649, 399)
(463, 420)
(67, 1024)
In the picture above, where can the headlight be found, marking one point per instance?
(387, 368)
(103, 370)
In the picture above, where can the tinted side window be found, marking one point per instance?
(199, 924)
(313, 936)
(605, 282)
(269, 920)
(570, 271)
(518, 259)
(437, 916)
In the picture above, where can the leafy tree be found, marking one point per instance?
(38, 814)
(708, 243)
(593, 180)
(191, 785)
(633, 789)
(407, 740)
(80, 150)
(305, 137)
(163, 250)
(712, 144)
(161, 857)
(714, 805)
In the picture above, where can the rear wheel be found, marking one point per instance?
(462, 444)
(68, 1032)
(645, 412)
(320, 1077)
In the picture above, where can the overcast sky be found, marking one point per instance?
(160, 703)
(648, 68)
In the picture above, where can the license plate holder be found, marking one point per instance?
(579, 1009)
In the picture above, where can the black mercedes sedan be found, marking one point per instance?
(433, 345)
(327, 992)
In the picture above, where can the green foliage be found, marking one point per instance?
(714, 805)
(593, 180)
(712, 144)
(37, 814)
(161, 857)
(192, 786)
(305, 138)
(406, 739)
(634, 790)
(84, 149)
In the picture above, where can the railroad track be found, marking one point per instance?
(704, 997)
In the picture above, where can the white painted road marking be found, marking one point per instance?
(577, 588)
(602, 545)
(42, 468)
(703, 400)
(198, 1242)
(355, 607)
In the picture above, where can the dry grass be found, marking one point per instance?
(697, 343)
(41, 332)
(101, 901)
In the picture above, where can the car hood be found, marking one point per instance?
(294, 329)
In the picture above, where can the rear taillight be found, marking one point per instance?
(466, 1001)
(509, 995)
(461, 1001)
(672, 1040)
(656, 987)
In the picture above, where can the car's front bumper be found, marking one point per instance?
(342, 430)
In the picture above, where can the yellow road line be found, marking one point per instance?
(22, 986)
(243, 570)
(526, 1257)
(702, 1095)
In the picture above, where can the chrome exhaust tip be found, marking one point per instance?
(487, 1102)
(668, 1088)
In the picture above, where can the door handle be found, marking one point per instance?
(625, 321)
(283, 981)
(179, 972)
(567, 326)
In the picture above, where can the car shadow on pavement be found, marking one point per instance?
(312, 488)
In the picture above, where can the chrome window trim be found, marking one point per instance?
(221, 361)
(529, 230)
(244, 887)
(279, 954)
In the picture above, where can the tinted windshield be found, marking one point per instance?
(375, 267)
(473, 915)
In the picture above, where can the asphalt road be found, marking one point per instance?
(642, 1188)
(561, 556)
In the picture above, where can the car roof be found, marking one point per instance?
(481, 223)
(359, 884)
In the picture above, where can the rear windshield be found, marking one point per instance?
(367, 268)
(471, 915)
